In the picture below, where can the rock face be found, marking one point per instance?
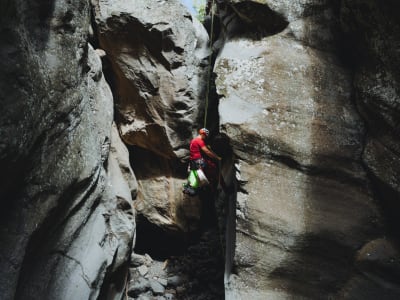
(376, 83)
(288, 103)
(66, 218)
(155, 49)
(308, 95)
(158, 56)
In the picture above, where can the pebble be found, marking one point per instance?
(169, 296)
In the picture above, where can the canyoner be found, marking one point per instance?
(201, 164)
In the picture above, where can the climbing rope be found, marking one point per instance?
(209, 63)
(212, 11)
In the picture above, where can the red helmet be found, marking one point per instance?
(204, 131)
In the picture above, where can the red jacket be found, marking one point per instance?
(195, 148)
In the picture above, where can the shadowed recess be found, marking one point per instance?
(254, 20)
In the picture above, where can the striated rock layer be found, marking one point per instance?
(67, 223)
(290, 102)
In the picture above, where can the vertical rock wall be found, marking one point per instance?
(372, 29)
(158, 56)
(66, 228)
(306, 204)
(308, 96)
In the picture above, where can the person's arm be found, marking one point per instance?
(209, 153)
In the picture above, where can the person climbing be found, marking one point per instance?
(199, 154)
(197, 148)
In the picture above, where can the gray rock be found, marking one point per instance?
(163, 281)
(156, 287)
(163, 79)
(55, 124)
(160, 97)
(169, 296)
(147, 296)
(137, 260)
(149, 260)
(288, 84)
(138, 286)
(175, 280)
(143, 270)
(376, 80)
(301, 164)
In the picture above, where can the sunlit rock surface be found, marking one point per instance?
(306, 203)
(308, 97)
(63, 233)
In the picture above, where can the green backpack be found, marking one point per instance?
(193, 179)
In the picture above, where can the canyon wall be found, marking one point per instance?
(158, 57)
(308, 98)
(67, 222)
(309, 103)
(67, 186)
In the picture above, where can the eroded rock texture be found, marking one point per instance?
(158, 56)
(373, 30)
(67, 223)
(308, 97)
(290, 102)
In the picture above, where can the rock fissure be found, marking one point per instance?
(84, 276)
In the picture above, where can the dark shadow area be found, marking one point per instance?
(252, 20)
(317, 267)
(370, 37)
(158, 243)
(197, 257)
(147, 164)
(212, 24)
(202, 268)
(17, 63)
(220, 144)
(389, 200)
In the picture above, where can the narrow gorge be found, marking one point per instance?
(100, 100)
